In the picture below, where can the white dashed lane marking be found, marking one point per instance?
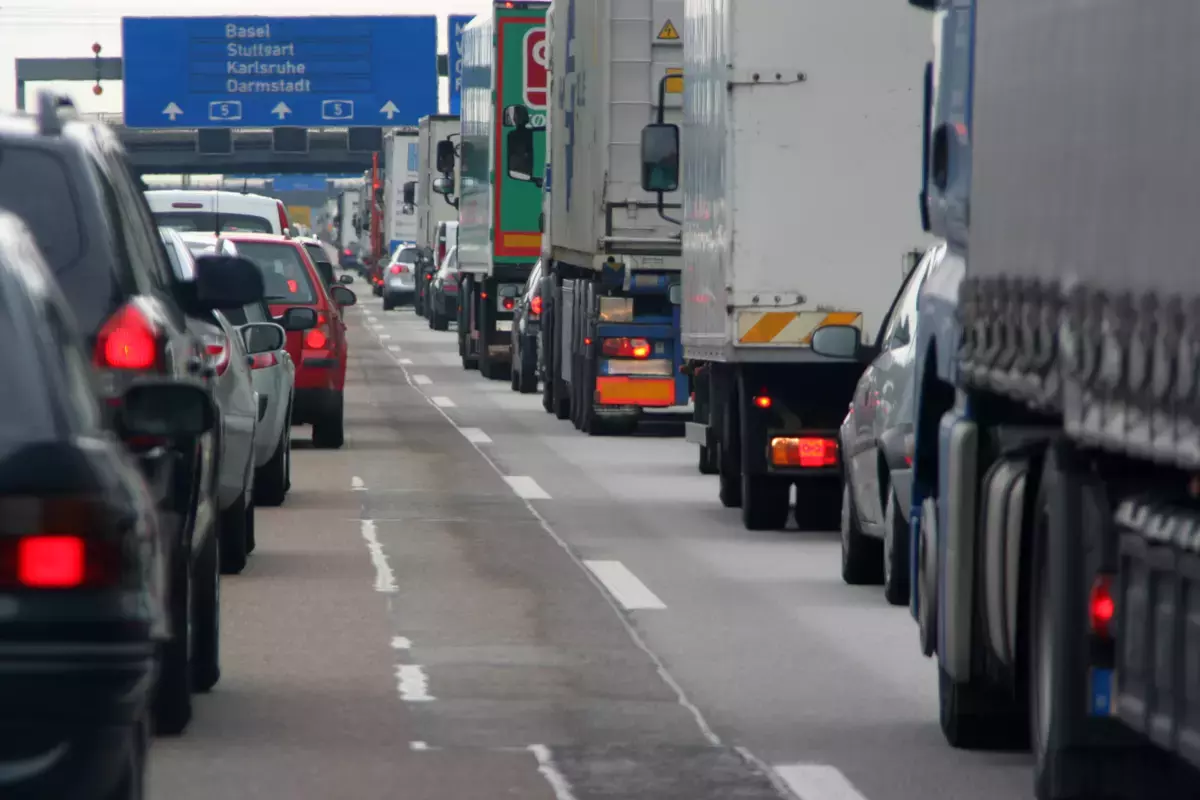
(526, 487)
(623, 585)
(422, 380)
(475, 435)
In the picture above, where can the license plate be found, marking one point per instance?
(504, 324)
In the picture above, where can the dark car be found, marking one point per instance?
(83, 561)
(527, 319)
(442, 296)
(70, 182)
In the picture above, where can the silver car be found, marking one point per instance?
(400, 278)
(228, 372)
(877, 443)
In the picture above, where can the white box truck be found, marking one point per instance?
(432, 207)
(797, 192)
(610, 332)
(401, 168)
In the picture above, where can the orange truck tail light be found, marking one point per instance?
(625, 348)
(807, 452)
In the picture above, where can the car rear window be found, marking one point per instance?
(407, 254)
(285, 278)
(207, 221)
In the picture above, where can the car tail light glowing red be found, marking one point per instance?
(315, 339)
(217, 349)
(263, 360)
(398, 269)
(625, 348)
(535, 305)
(347, 252)
(51, 562)
(128, 341)
(807, 452)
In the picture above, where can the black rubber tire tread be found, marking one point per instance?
(206, 609)
(232, 528)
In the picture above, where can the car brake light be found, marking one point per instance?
(625, 348)
(127, 341)
(347, 252)
(807, 452)
(217, 349)
(263, 360)
(283, 218)
(509, 303)
(293, 287)
(1101, 606)
(398, 269)
(315, 339)
(535, 305)
(51, 562)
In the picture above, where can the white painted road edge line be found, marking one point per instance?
(526, 487)
(625, 586)
(817, 782)
(385, 579)
(444, 402)
(422, 380)
(475, 435)
(356, 483)
(395, 348)
(412, 683)
(558, 782)
(680, 695)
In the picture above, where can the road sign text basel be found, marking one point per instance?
(248, 72)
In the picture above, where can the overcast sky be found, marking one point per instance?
(68, 28)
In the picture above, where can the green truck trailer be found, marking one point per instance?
(505, 93)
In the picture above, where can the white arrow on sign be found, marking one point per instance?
(281, 110)
(390, 109)
(172, 110)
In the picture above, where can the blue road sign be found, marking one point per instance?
(456, 24)
(299, 183)
(262, 72)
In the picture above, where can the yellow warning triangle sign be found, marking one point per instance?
(668, 32)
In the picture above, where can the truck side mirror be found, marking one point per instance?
(520, 154)
(445, 156)
(516, 116)
(660, 157)
(410, 193)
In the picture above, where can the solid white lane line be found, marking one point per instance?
(526, 487)
(558, 782)
(406, 361)
(818, 782)
(412, 683)
(422, 380)
(475, 436)
(385, 579)
(395, 348)
(624, 585)
(443, 402)
(356, 483)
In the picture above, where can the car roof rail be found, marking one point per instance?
(51, 112)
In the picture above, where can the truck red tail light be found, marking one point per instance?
(1101, 606)
(807, 452)
(535, 306)
(625, 348)
(128, 341)
(508, 303)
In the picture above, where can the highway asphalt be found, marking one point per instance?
(472, 599)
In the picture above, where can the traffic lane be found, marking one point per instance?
(759, 629)
(502, 643)
(307, 705)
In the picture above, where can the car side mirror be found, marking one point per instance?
(520, 155)
(443, 185)
(224, 281)
(166, 409)
(516, 116)
(409, 193)
(509, 290)
(837, 341)
(346, 278)
(660, 157)
(298, 319)
(263, 337)
(445, 156)
(343, 296)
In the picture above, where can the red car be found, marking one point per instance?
(291, 279)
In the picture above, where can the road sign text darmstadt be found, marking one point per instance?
(262, 72)
(456, 24)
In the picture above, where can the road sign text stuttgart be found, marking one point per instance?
(262, 72)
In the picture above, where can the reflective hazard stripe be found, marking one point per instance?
(789, 327)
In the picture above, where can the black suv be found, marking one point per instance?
(70, 182)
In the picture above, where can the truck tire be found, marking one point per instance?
(708, 460)
(765, 502)
(862, 562)
(896, 568)
(974, 716)
(729, 459)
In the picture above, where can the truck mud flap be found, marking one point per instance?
(1157, 676)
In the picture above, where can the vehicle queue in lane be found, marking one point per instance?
(136, 444)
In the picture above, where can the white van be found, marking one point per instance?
(214, 211)
(447, 239)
